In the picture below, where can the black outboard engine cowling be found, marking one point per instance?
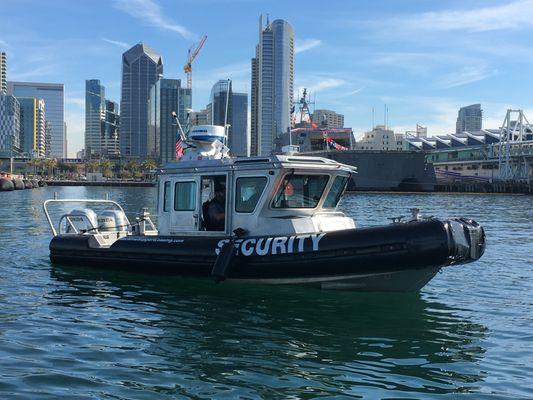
(467, 240)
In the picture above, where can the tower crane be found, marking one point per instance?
(193, 52)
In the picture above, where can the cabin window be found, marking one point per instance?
(185, 196)
(247, 193)
(300, 191)
(166, 196)
(335, 192)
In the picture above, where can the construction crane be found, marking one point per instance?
(193, 52)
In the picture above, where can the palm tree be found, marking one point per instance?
(106, 166)
(148, 165)
(50, 164)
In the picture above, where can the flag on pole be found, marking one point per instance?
(179, 148)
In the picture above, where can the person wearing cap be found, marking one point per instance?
(217, 209)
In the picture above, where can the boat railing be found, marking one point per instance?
(80, 201)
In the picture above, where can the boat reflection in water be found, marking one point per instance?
(192, 338)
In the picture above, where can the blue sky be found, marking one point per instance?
(424, 59)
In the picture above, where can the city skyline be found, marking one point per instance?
(423, 60)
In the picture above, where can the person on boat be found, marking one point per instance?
(217, 209)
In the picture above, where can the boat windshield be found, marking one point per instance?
(300, 191)
(335, 193)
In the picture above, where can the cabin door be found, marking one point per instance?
(185, 214)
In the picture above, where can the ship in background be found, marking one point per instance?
(379, 170)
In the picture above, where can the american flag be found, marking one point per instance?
(179, 148)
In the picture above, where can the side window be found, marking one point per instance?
(247, 193)
(335, 193)
(166, 196)
(185, 196)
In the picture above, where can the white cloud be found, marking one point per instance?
(117, 43)
(306, 44)
(76, 101)
(150, 13)
(316, 84)
(513, 15)
(466, 75)
(37, 72)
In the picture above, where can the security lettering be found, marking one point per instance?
(274, 245)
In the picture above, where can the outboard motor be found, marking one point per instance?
(112, 221)
(468, 239)
(83, 220)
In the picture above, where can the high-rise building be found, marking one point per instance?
(111, 130)
(53, 96)
(101, 122)
(469, 118)
(231, 109)
(272, 85)
(3, 73)
(254, 103)
(220, 105)
(238, 139)
(380, 138)
(166, 96)
(32, 126)
(328, 118)
(141, 68)
(201, 117)
(9, 126)
(94, 117)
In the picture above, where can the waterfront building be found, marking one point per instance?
(53, 96)
(238, 139)
(229, 108)
(254, 100)
(141, 68)
(32, 127)
(272, 85)
(166, 96)
(328, 119)
(380, 138)
(469, 118)
(94, 117)
(102, 123)
(199, 117)
(9, 126)
(111, 130)
(3, 73)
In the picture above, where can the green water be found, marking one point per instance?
(80, 333)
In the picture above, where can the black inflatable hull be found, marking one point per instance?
(341, 259)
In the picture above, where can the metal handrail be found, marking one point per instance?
(55, 200)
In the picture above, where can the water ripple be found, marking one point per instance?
(81, 333)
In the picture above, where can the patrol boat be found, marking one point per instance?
(272, 220)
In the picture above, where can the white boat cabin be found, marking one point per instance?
(282, 195)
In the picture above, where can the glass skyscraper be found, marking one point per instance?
(53, 96)
(32, 126)
(111, 130)
(141, 68)
(469, 118)
(3, 73)
(166, 96)
(228, 107)
(272, 85)
(9, 126)
(101, 122)
(94, 117)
